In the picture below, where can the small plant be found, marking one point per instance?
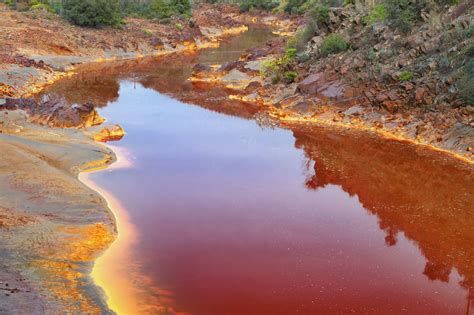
(147, 32)
(320, 14)
(444, 64)
(466, 83)
(372, 55)
(179, 26)
(378, 68)
(302, 37)
(378, 14)
(41, 6)
(469, 50)
(290, 76)
(406, 76)
(333, 44)
(470, 31)
(401, 14)
(281, 68)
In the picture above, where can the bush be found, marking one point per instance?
(466, 83)
(290, 76)
(406, 76)
(247, 5)
(302, 37)
(42, 6)
(401, 14)
(160, 10)
(469, 50)
(320, 14)
(281, 68)
(92, 13)
(333, 44)
(378, 14)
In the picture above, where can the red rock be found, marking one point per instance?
(310, 84)
(111, 133)
(408, 86)
(382, 97)
(391, 106)
(419, 95)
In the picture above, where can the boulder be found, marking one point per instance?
(109, 133)
(56, 112)
(311, 84)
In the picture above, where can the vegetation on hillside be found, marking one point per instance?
(96, 13)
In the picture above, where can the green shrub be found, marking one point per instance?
(179, 26)
(281, 68)
(290, 76)
(470, 31)
(377, 14)
(406, 76)
(401, 14)
(372, 55)
(302, 37)
(42, 6)
(333, 44)
(160, 10)
(469, 50)
(320, 14)
(466, 83)
(92, 13)
(147, 32)
(247, 5)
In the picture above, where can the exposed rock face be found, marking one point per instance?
(109, 133)
(310, 84)
(56, 113)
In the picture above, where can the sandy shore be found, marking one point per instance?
(53, 227)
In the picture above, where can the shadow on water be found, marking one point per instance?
(236, 219)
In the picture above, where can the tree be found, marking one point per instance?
(92, 13)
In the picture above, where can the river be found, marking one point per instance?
(220, 215)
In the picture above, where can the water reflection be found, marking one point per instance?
(236, 219)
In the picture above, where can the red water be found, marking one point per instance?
(234, 218)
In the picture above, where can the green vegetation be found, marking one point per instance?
(281, 68)
(247, 5)
(333, 44)
(401, 14)
(378, 14)
(469, 50)
(406, 76)
(466, 83)
(92, 13)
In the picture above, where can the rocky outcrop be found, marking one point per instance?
(56, 113)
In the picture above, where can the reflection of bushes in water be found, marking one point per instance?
(428, 202)
(88, 87)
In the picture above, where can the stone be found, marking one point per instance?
(311, 84)
(419, 93)
(57, 113)
(109, 133)
(391, 106)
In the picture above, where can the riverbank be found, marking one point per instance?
(52, 226)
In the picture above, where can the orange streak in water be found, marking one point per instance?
(108, 271)
(117, 271)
